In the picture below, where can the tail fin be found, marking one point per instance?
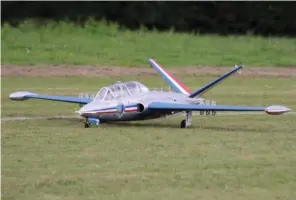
(177, 86)
(210, 85)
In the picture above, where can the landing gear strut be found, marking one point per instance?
(187, 122)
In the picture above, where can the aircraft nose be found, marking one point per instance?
(91, 109)
(84, 109)
(79, 112)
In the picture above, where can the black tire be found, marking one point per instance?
(86, 125)
(183, 124)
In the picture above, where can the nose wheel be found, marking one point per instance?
(91, 122)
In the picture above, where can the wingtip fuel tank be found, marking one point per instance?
(277, 110)
(20, 96)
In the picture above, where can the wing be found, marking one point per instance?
(158, 106)
(21, 96)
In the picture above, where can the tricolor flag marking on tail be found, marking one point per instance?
(172, 81)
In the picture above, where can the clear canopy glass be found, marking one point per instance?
(119, 90)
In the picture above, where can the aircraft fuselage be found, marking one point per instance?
(132, 108)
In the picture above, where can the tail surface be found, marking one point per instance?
(177, 86)
(210, 85)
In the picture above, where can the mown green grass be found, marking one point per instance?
(101, 44)
(220, 157)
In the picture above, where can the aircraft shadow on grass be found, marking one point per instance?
(72, 122)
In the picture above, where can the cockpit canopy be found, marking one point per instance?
(119, 90)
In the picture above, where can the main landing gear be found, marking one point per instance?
(187, 122)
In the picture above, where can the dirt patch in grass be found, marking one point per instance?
(102, 71)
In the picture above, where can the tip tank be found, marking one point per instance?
(277, 110)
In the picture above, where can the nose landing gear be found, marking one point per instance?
(89, 121)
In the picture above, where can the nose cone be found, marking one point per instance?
(79, 112)
(86, 110)
(95, 108)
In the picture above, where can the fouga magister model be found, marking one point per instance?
(131, 101)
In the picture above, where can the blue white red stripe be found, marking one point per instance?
(131, 109)
(112, 110)
(102, 111)
(172, 81)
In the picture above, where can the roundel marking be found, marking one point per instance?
(119, 110)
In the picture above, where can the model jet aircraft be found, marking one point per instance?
(130, 101)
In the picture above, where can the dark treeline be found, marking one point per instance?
(264, 18)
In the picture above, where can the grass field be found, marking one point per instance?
(99, 44)
(220, 157)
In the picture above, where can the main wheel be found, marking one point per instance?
(183, 124)
(86, 125)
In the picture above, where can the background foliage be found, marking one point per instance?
(265, 18)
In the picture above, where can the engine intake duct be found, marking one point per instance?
(140, 107)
